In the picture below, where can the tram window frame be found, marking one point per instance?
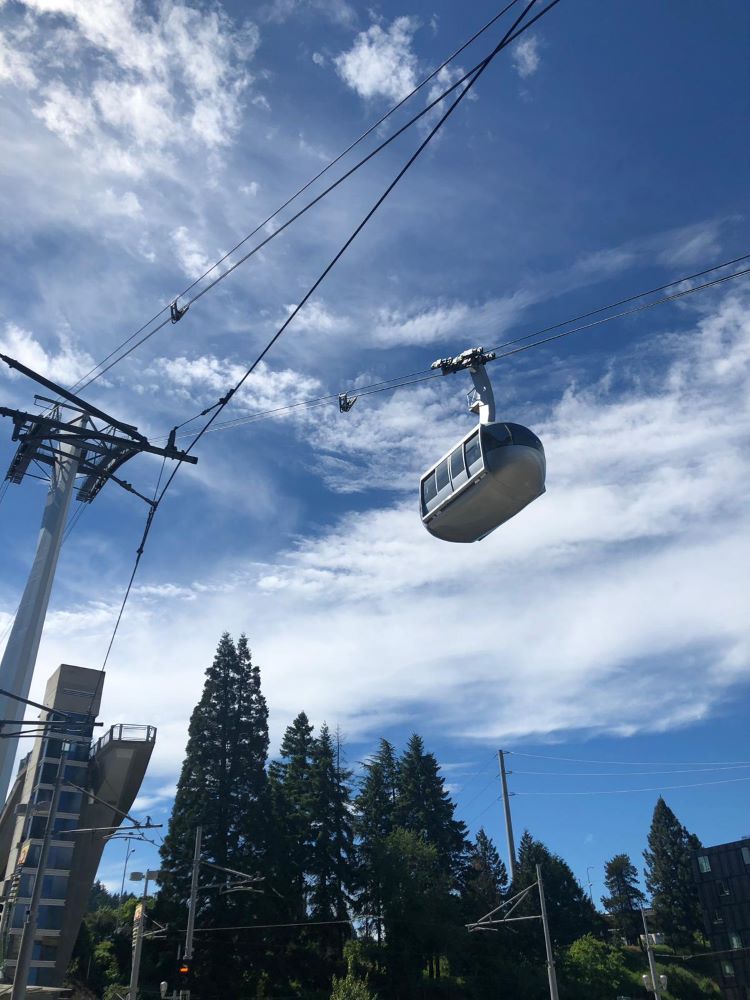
(445, 470)
(457, 453)
(470, 443)
(426, 500)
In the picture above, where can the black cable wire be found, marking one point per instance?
(297, 193)
(225, 274)
(511, 34)
(425, 375)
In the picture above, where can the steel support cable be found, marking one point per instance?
(319, 197)
(509, 36)
(299, 192)
(426, 375)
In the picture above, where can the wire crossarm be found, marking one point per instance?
(102, 442)
(489, 920)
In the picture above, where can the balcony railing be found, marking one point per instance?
(125, 733)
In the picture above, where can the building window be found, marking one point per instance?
(704, 865)
(735, 941)
(746, 855)
(727, 969)
(718, 919)
(723, 887)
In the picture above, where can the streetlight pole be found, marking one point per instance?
(655, 981)
(139, 921)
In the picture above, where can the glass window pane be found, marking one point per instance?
(457, 462)
(735, 941)
(704, 864)
(522, 435)
(441, 475)
(473, 452)
(495, 436)
(746, 855)
(429, 490)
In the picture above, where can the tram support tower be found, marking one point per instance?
(89, 447)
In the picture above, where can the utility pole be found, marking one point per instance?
(139, 921)
(508, 821)
(26, 948)
(92, 445)
(547, 939)
(655, 981)
(193, 904)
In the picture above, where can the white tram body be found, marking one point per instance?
(495, 471)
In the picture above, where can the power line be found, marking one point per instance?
(86, 379)
(426, 375)
(629, 774)
(655, 788)
(635, 763)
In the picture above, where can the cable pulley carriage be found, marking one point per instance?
(491, 474)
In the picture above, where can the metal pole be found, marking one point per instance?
(140, 919)
(192, 905)
(19, 658)
(25, 951)
(655, 984)
(547, 938)
(508, 822)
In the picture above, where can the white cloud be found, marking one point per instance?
(319, 59)
(252, 189)
(193, 259)
(526, 58)
(15, 66)
(66, 365)
(68, 115)
(381, 62)
(623, 587)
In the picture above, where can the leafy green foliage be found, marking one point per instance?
(593, 969)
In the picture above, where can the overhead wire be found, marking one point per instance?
(510, 35)
(635, 763)
(86, 379)
(425, 375)
(654, 788)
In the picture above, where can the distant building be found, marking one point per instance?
(112, 768)
(722, 874)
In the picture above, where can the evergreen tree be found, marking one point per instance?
(290, 779)
(486, 878)
(424, 807)
(669, 877)
(375, 807)
(625, 897)
(570, 911)
(222, 788)
(332, 849)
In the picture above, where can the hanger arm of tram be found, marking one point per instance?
(491, 474)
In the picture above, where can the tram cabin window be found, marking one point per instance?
(457, 463)
(441, 475)
(473, 454)
(429, 489)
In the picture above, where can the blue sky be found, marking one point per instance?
(606, 153)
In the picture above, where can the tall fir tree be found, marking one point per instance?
(425, 807)
(222, 788)
(290, 780)
(669, 877)
(571, 913)
(625, 897)
(375, 808)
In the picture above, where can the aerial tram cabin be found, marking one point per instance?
(491, 474)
